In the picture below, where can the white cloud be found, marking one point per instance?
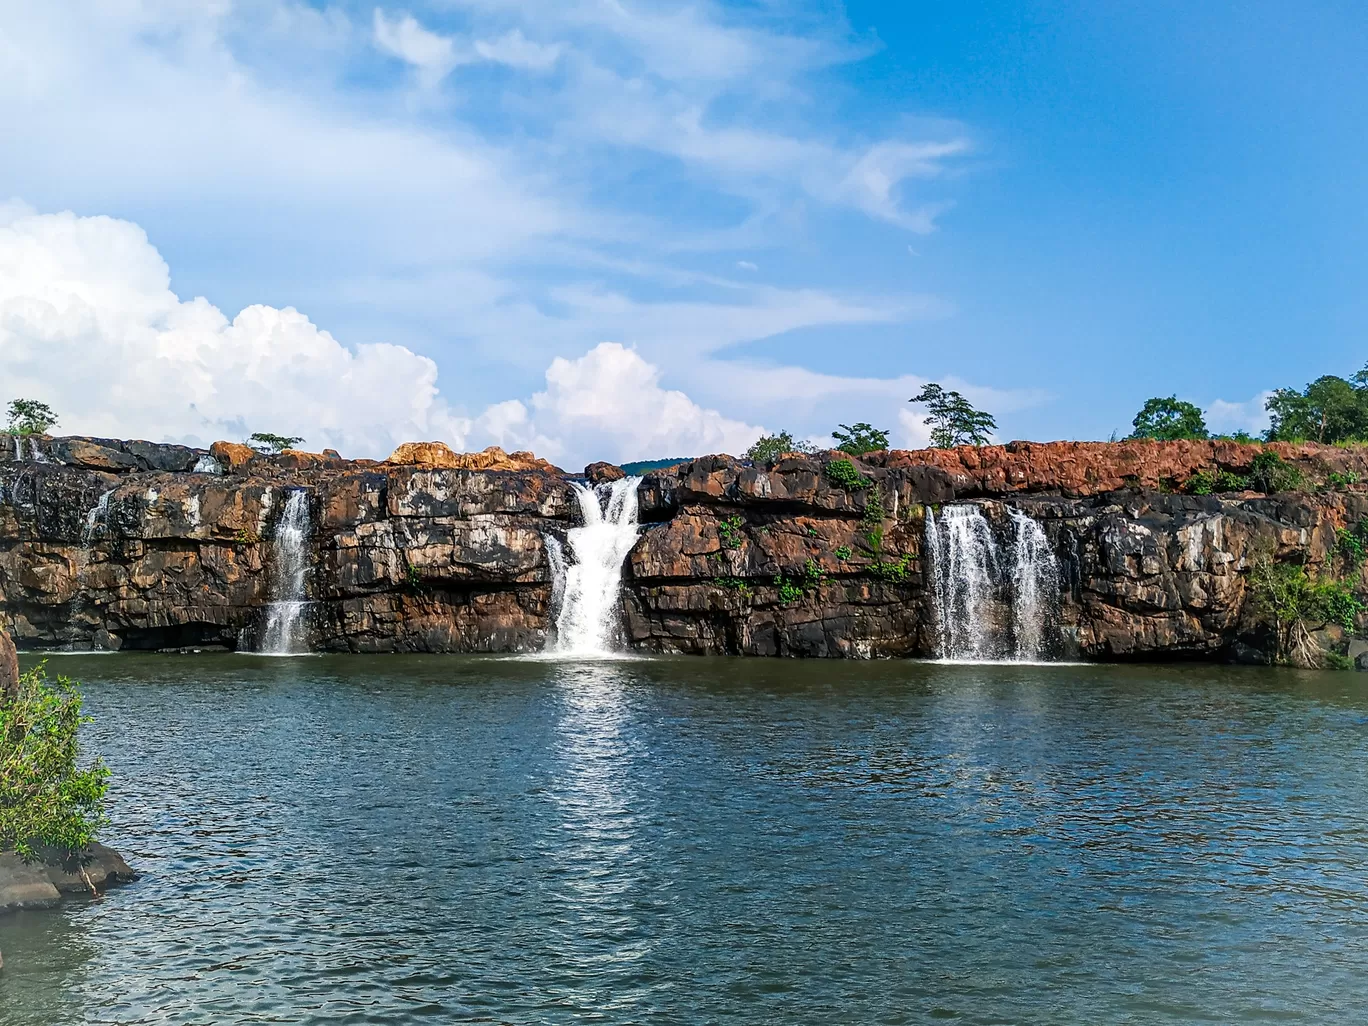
(1224, 417)
(517, 51)
(746, 265)
(431, 54)
(89, 324)
(609, 404)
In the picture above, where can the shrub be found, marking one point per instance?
(842, 474)
(729, 531)
(843, 552)
(771, 447)
(47, 798)
(1205, 482)
(860, 438)
(1296, 604)
(1271, 473)
(895, 572)
(1337, 480)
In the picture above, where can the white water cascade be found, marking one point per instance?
(1035, 587)
(97, 516)
(284, 633)
(586, 587)
(973, 587)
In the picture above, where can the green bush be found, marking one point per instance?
(47, 798)
(1296, 604)
(769, 448)
(1205, 482)
(1271, 473)
(842, 474)
(895, 572)
(843, 552)
(729, 531)
(1168, 420)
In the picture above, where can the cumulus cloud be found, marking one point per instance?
(609, 404)
(89, 324)
(1224, 417)
(403, 37)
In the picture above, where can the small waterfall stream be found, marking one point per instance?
(991, 608)
(585, 589)
(284, 634)
(96, 517)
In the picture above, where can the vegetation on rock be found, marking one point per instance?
(772, 447)
(30, 417)
(48, 798)
(953, 419)
(265, 441)
(1168, 420)
(858, 439)
(1330, 409)
(1296, 603)
(842, 474)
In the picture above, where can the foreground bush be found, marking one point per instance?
(47, 799)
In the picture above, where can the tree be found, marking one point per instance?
(860, 438)
(1168, 420)
(30, 417)
(1329, 409)
(47, 798)
(954, 421)
(771, 447)
(264, 441)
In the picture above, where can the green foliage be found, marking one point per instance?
(1168, 420)
(793, 588)
(729, 531)
(1329, 409)
(953, 419)
(1243, 437)
(771, 447)
(1296, 604)
(1269, 472)
(897, 572)
(30, 417)
(246, 536)
(812, 532)
(1351, 545)
(735, 584)
(860, 438)
(413, 580)
(842, 474)
(48, 799)
(264, 441)
(1205, 482)
(1337, 480)
(843, 552)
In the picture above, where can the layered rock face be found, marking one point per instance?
(107, 544)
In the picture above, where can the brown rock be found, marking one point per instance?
(599, 473)
(232, 455)
(440, 455)
(9, 666)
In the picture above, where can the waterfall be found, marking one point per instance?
(96, 516)
(284, 617)
(207, 465)
(588, 586)
(970, 584)
(1035, 587)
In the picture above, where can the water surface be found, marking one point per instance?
(434, 840)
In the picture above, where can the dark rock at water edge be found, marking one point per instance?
(42, 884)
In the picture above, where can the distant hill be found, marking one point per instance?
(646, 466)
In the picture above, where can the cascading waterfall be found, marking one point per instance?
(284, 633)
(971, 584)
(585, 589)
(97, 516)
(1035, 587)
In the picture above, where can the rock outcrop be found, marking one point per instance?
(43, 883)
(109, 544)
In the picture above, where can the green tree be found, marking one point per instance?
(1167, 420)
(47, 797)
(30, 417)
(264, 441)
(953, 419)
(1329, 409)
(860, 438)
(771, 447)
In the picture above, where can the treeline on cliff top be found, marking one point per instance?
(1331, 410)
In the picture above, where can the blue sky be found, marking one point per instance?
(783, 214)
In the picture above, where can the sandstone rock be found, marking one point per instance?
(94, 454)
(600, 473)
(439, 454)
(233, 456)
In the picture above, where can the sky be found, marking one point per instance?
(604, 229)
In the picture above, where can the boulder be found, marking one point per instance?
(599, 473)
(40, 884)
(95, 454)
(168, 459)
(232, 455)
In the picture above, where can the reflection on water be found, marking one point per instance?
(477, 840)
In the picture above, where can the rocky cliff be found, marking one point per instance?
(111, 544)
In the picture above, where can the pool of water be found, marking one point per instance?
(435, 840)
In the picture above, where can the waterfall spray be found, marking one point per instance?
(96, 516)
(1035, 587)
(284, 617)
(585, 592)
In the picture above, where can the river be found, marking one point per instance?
(441, 839)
